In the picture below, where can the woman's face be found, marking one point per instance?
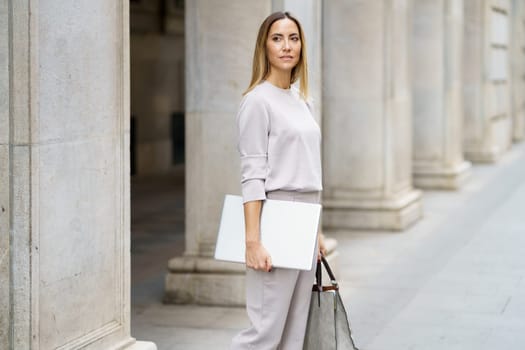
(283, 46)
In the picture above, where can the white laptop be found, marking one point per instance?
(288, 232)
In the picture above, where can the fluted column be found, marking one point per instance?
(64, 175)
(437, 94)
(486, 76)
(367, 120)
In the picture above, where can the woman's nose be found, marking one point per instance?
(287, 45)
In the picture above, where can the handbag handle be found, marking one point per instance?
(329, 270)
(318, 286)
(319, 274)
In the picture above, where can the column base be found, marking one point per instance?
(206, 281)
(142, 345)
(518, 128)
(443, 179)
(517, 138)
(490, 156)
(373, 214)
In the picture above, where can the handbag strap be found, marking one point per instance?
(329, 270)
(318, 286)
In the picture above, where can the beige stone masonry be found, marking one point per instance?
(64, 176)
(486, 80)
(5, 181)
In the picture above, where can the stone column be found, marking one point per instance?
(486, 88)
(220, 39)
(64, 175)
(518, 69)
(309, 13)
(437, 33)
(5, 239)
(367, 121)
(213, 92)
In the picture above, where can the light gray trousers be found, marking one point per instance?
(277, 302)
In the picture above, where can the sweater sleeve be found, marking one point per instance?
(254, 126)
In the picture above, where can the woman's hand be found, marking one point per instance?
(321, 245)
(257, 257)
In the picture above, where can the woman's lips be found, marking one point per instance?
(287, 58)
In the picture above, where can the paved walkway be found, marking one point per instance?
(455, 280)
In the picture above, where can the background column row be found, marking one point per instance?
(403, 90)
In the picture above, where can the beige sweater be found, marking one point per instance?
(279, 143)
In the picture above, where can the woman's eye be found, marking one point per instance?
(295, 38)
(276, 38)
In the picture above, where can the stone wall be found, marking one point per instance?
(486, 80)
(5, 180)
(65, 176)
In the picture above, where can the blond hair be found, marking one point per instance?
(261, 64)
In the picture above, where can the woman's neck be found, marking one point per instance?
(279, 79)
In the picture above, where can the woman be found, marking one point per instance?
(279, 145)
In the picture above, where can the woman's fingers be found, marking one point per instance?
(257, 258)
(264, 264)
(268, 263)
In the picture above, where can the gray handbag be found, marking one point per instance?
(328, 327)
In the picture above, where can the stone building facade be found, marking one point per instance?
(408, 93)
